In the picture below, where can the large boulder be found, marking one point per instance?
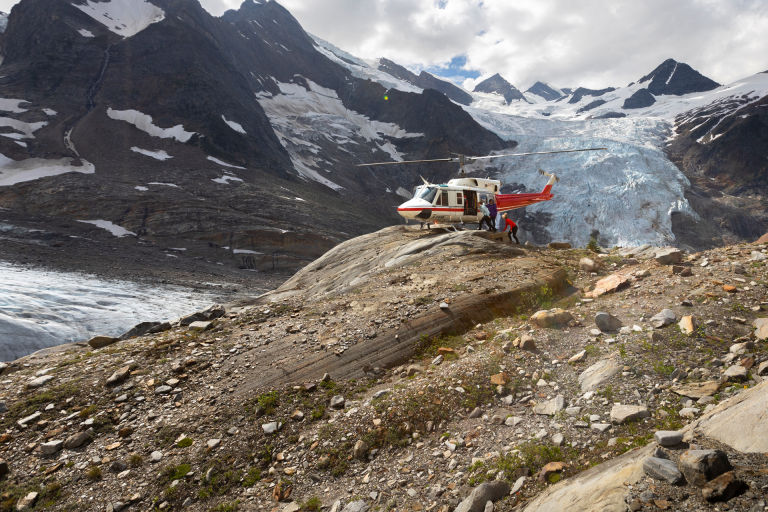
(669, 256)
(210, 313)
(607, 322)
(761, 328)
(482, 494)
(138, 330)
(701, 466)
(610, 284)
(588, 265)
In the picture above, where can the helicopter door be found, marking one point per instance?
(470, 202)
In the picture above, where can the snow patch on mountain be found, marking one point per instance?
(144, 123)
(216, 160)
(10, 105)
(116, 230)
(85, 33)
(627, 193)
(157, 155)
(235, 126)
(298, 115)
(13, 172)
(26, 129)
(123, 17)
(225, 179)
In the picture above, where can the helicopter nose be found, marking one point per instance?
(410, 209)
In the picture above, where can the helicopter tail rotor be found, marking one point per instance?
(549, 175)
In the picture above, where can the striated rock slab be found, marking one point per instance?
(598, 489)
(697, 389)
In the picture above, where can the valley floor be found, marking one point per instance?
(238, 414)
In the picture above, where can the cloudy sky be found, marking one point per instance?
(566, 43)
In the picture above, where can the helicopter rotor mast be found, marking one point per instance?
(463, 160)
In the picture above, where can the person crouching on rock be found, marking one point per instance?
(512, 228)
(492, 214)
(486, 216)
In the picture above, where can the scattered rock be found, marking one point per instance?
(337, 402)
(356, 506)
(662, 469)
(77, 440)
(668, 437)
(40, 381)
(736, 373)
(700, 466)
(664, 318)
(607, 322)
(119, 375)
(155, 456)
(102, 341)
(687, 325)
(500, 379)
(761, 328)
(621, 414)
(723, 487)
(527, 343)
(360, 449)
(591, 378)
(588, 265)
(269, 428)
(610, 284)
(51, 447)
(550, 407)
(551, 317)
(697, 389)
(482, 494)
(552, 467)
(27, 501)
(577, 358)
(200, 326)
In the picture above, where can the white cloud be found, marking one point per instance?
(589, 43)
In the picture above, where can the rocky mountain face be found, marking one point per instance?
(677, 78)
(581, 92)
(426, 80)
(231, 132)
(498, 85)
(546, 91)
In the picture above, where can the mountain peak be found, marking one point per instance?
(677, 78)
(498, 85)
(545, 91)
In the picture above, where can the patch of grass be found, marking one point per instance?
(184, 443)
(328, 385)
(135, 460)
(592, 350)
(425, 301)
(229, 506)
(459, 288)
(312, 503)
(253, 476)
(93, 473)
(172, 473)
(87, 411)
(166, 436)
(663, 370)
(427, 346)
(268, 401)
(318, 413)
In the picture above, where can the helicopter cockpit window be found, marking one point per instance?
(428, 194)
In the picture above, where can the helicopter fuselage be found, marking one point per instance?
(458, 200)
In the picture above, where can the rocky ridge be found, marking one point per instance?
(638, 386)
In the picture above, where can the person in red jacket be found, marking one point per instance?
(512, 228)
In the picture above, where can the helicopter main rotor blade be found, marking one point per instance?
(408, 162)
(540, 153)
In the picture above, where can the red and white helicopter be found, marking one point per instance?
(457, 200)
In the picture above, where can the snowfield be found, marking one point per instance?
(123, 17)
(298, 115)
